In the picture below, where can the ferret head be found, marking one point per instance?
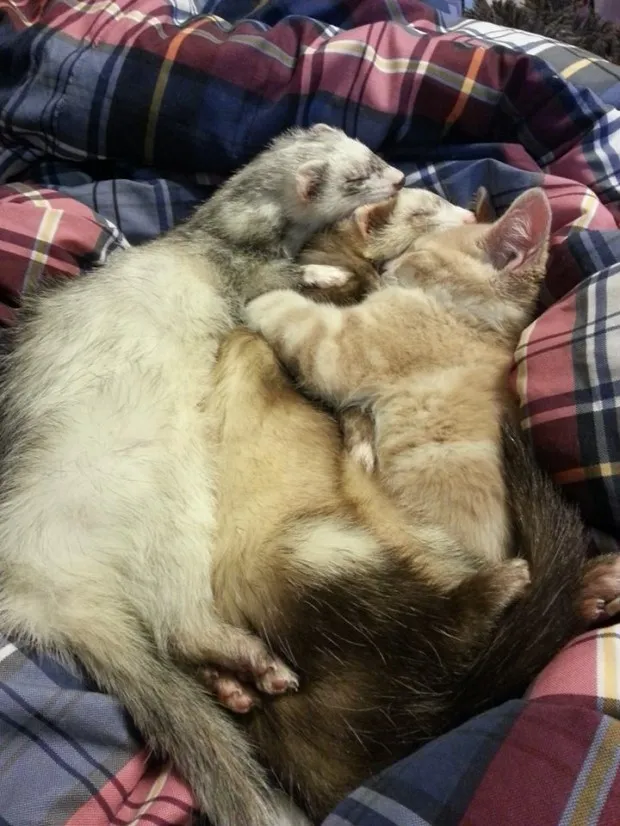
(339, 175)
(320, 175)
(494, 270)
(304, 181)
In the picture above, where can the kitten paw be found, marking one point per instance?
(600, 592)
(267, 313)
(358, 433)
(324, 275)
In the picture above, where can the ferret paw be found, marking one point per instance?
(600, 592)
(515, 578)
(276, 678)
(231, 692)
(363, 454)
(324, 275)
(243, 666)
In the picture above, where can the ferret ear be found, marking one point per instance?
(310, 176)
(521, 236)
(374, 216)
(322, 129)
(483, 208)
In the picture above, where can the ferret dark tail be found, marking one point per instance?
(179, 720)
(550, 535)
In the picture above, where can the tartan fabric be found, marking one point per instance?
(116, 117)
(550, 760)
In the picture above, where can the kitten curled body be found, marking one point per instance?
(109, 458)
(412, 353)
(397, 630)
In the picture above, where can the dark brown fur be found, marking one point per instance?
(389, 655)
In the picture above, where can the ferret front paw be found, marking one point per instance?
(600, 591)
(358, 433)
(324, 276)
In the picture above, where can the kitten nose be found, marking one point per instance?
(469, 217)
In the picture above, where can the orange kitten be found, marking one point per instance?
(397, 630)
(429, 356)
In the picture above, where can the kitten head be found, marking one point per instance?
(376, 233)
(491, 271)
(382, 231)
(391, 229)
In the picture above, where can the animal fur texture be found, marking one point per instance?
(400, 619)
(109, 459)
(412, 353)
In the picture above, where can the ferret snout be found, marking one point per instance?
(396, 178)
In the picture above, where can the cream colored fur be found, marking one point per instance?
(430, 356)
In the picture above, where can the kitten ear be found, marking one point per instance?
(483, 208)
(521, 235)
(371, 217)
(322, 129)
(310, 176)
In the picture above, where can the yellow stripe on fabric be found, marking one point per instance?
(33, 195)
(466, 87)
(39, 254)
(115, 13)
(593, 785)
(588, 210)
(608, 652)
(162, 81)
(580, 474)
(153, 793)
(571, 70)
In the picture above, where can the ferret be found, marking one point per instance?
(109, 459)
(398, 625)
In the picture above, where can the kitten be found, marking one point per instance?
(413, 352)
(314, 556)
(396, 630)
(109, 458)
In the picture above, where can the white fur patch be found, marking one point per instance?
(329, 546)
(324, 275)
(364, 455)
(287, 813)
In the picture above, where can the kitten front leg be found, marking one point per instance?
(308, 338)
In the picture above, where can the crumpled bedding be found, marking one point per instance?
(117, 117)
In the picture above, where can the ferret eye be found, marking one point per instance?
(356, 180)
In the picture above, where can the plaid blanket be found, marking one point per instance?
(117, 116)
